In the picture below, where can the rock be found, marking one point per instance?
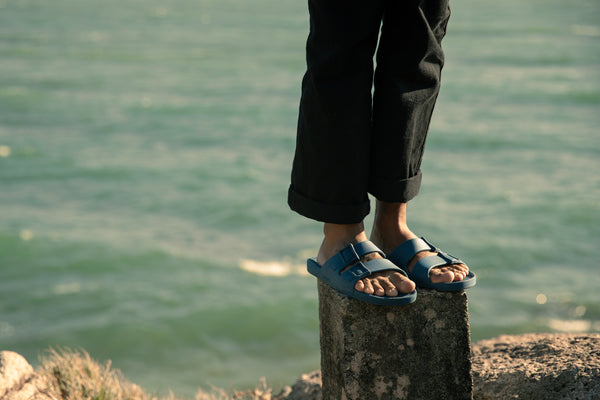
(415, 351)
(532, 367)
(308, 387)
(15, 371)
(19, 381)
(537, 367)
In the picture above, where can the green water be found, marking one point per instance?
(145, 151)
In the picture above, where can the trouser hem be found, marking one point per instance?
(399, 191)
(331, 213)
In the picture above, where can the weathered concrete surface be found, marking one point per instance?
(538, 367)
(417, 351)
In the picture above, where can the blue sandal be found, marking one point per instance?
(331, 273)
(420, 272)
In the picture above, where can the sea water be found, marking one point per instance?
(145, 153)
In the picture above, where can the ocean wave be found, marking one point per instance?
(573, 326)
(272, 268)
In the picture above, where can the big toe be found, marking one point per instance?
(403, 284)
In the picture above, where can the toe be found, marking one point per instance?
(460, 271)
(441, 276)
(368, 286)
(377, 288)
(463, 268)
(360, 286)
(389, 288)
(402, 283)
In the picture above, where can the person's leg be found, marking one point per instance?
(330, 168)
(331, 164)
(407, 81)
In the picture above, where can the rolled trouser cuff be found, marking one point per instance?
(331, 213)
(395, 191)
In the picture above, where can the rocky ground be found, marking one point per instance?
(533, 367)
(544, 367)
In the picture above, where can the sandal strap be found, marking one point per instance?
(351, 254)
(361, 270)
(420, 271)
(407, 250)
(367, 247)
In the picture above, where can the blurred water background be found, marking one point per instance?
(145, 152)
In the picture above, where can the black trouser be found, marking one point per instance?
(348, 142)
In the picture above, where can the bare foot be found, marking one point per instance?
(385, 283)
(390, 230)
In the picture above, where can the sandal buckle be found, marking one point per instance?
(449, 258)
(433, 249)
(350, 255)
(359, 271)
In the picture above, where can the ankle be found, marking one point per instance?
(388, 239)
(338, 236)
(389, 226)
(347, 233)
(390, 217)
(395, 212)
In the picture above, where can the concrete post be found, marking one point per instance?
(417, 351)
